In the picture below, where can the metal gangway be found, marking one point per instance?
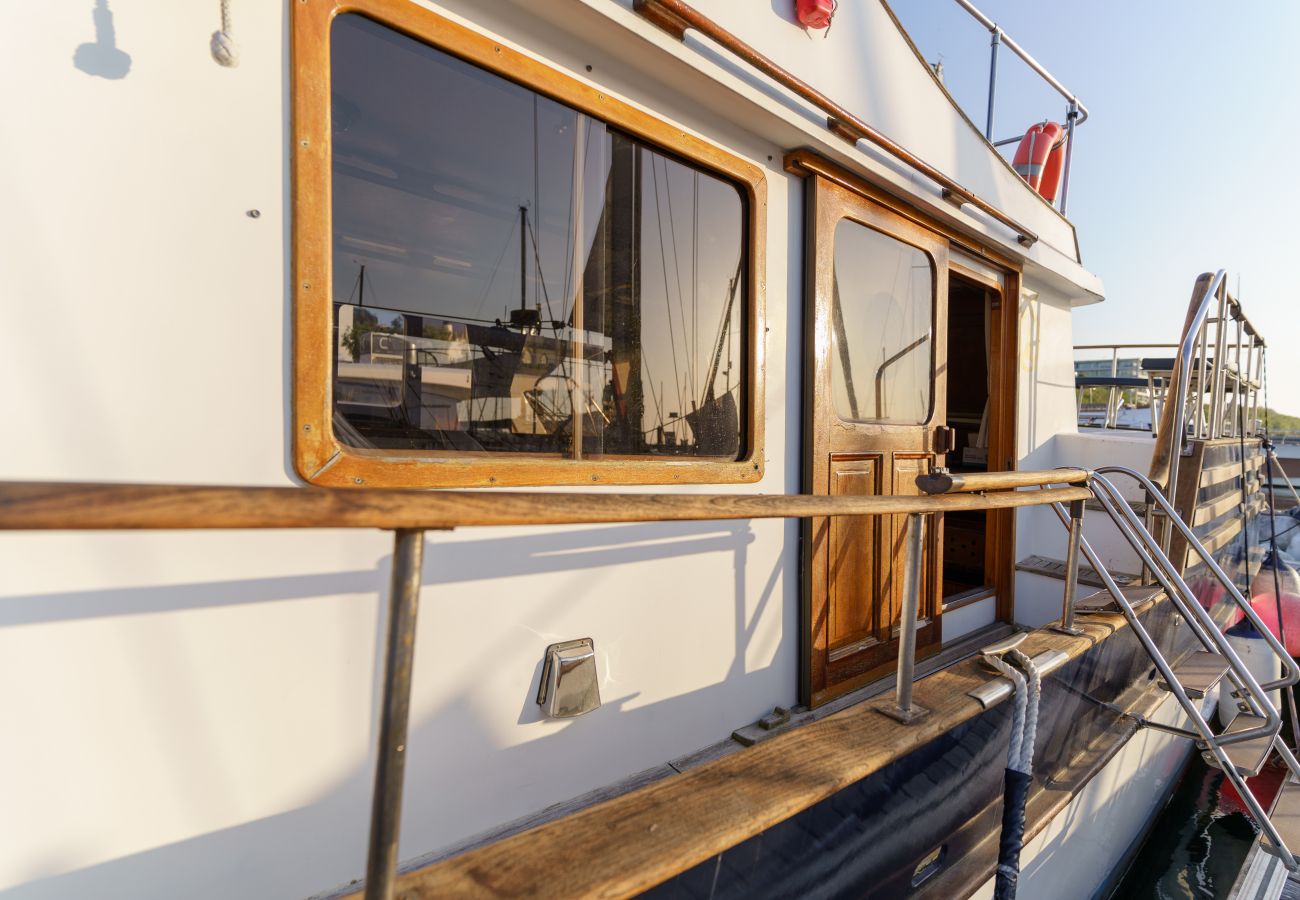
(1240, 747)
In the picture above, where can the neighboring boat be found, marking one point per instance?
(869, 613)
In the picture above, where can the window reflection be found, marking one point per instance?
(881, 311)
(511, 275)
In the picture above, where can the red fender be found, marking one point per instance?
(1265, 605)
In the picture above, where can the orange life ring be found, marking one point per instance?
(1040, 158)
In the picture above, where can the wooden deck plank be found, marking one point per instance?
(633, 842)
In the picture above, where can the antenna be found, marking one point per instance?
(523, 258)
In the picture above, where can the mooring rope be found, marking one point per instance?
(1020, 762)
(224, 50)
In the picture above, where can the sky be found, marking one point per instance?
(1183, 165)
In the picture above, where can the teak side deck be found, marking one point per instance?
(633, 842)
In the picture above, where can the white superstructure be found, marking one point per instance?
(193, 714)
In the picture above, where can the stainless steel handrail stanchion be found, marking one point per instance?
(993, 79)
(1149, 523)
(1112, 407)
(395, 707)
(1066, 625)
(913, 555)
(1070, 117)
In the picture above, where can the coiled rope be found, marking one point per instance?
(1020, 761)
(224, 50)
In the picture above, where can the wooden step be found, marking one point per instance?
(1102, 601)
(1286, 816)
(1055, 568)
(1198, 673)
(1247, 756)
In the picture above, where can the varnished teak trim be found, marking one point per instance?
(806, 162)
(319, 457)
(675, 16)
(967, 482)
(55, 506)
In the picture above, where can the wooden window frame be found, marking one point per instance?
(318, 456)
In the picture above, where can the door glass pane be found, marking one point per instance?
(881, 339)
(512, 275)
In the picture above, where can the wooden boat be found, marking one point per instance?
(785, 338)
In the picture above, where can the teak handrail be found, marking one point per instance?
(941, 481)
(70, 506)
(676, 17)
(64, 506)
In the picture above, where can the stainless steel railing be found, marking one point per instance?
(1212, 387)
(1076, 113)
(1219, 356)
(1203, 627)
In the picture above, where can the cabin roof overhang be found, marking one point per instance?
(728, 95)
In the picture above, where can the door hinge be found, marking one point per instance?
(945, 439)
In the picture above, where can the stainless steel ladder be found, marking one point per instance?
(1244, 745)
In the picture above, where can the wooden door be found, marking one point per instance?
(874, 408)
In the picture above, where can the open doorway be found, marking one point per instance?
(970, 564)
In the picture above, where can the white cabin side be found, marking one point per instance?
(193, 713)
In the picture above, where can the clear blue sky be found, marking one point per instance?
(1185, 165)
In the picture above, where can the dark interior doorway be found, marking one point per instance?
(971, 342)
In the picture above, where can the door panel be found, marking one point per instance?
(854, 549)
(874, 326)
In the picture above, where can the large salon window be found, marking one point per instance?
(881, 313)
(510, 275)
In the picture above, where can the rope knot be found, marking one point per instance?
(224, 50)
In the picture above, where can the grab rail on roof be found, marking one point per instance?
(1075, 114)
(676, 17)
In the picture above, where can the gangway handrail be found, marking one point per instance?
(1169, 440)
(1290, 668)
(1134, 532)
